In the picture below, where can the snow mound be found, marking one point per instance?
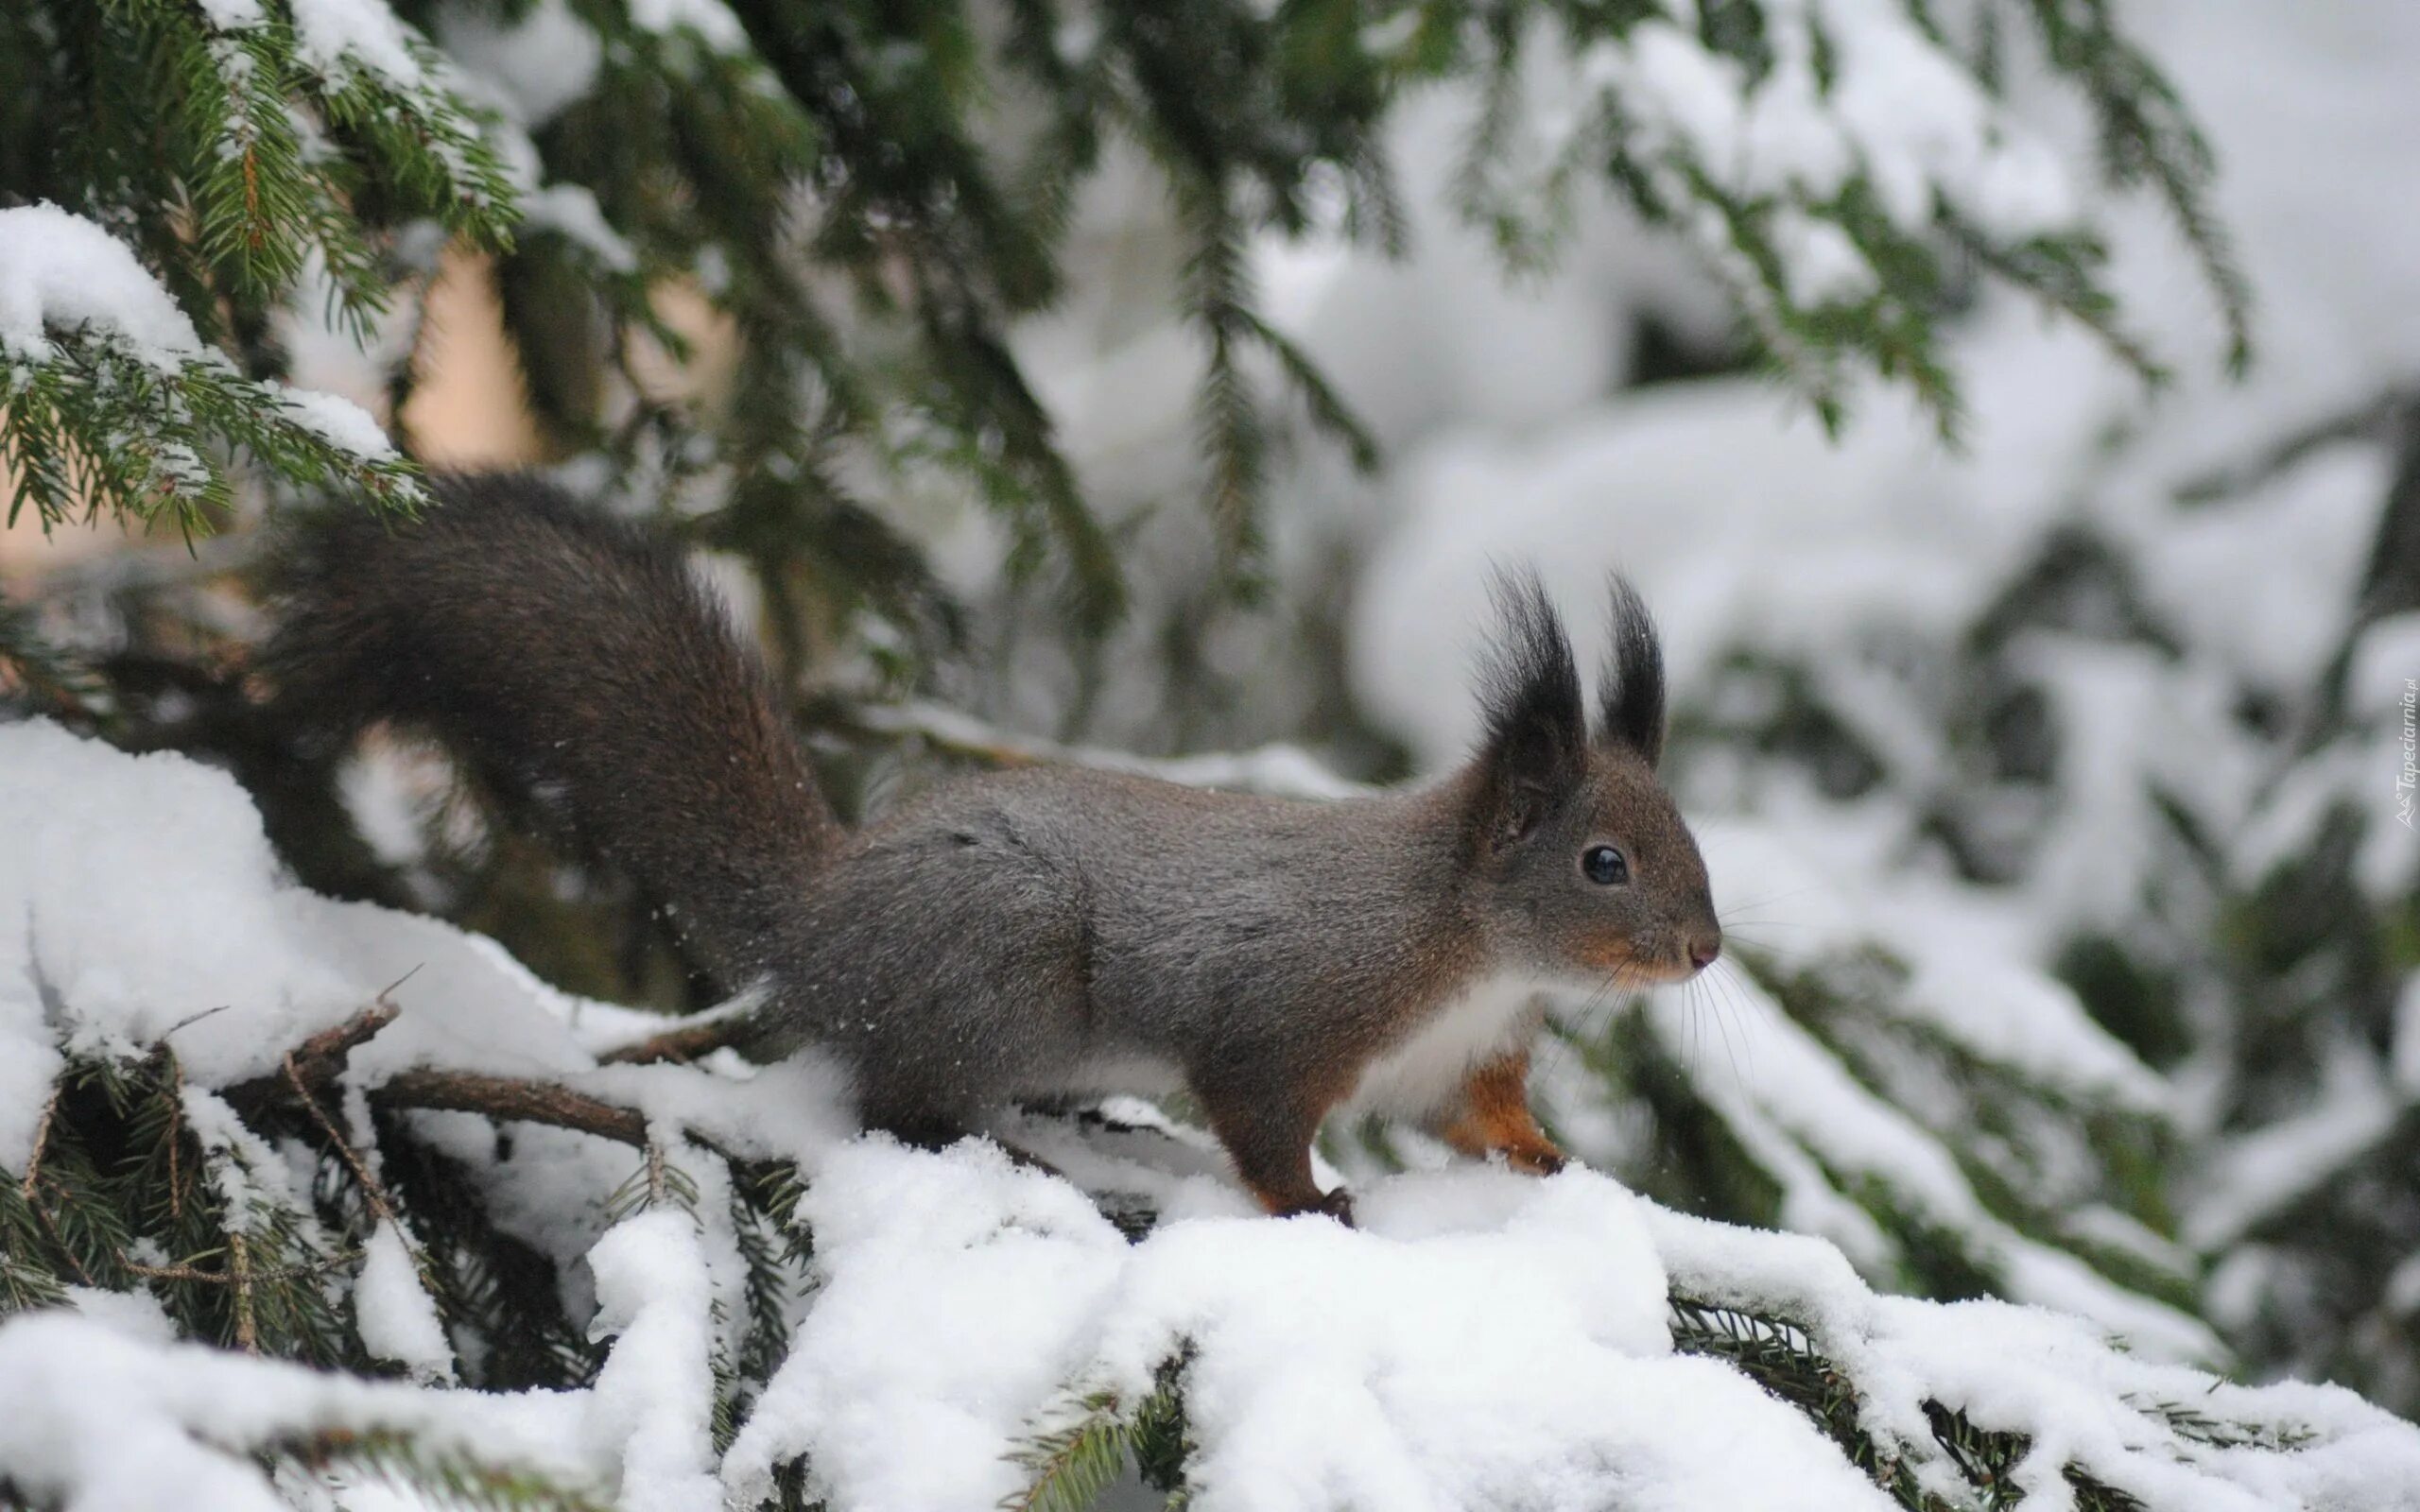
(92, 1415)
(1485, 1340)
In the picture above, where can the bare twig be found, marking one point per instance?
(726, 1025)
(317, 1060)
(192, 1019)
(315, 1063)
(513, 1098)
(688, 1042)
(370, 1188)
(332, 1045)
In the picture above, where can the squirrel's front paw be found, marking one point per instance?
(1534, 1157)
(1516, 1139)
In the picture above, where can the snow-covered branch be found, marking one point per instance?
(894, 1328)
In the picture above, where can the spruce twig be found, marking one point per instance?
(42, 1142)
(1069, 1468)
(248, 1334)
(263, 1274)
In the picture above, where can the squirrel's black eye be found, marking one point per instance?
(1605, 866)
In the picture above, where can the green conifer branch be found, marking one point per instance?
(92, 427)
(447, 1476)
(1068, 1466)
(2148, 135)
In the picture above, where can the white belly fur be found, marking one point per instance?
(1422, 1074)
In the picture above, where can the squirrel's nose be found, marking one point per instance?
(1702, 951)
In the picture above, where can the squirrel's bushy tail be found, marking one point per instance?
(576, 661)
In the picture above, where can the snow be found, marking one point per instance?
(1920, 121)
(339, 421)
(710, 20)
(397, 1317)
(233, 16)
(653, 1397)
(1484, 1339)
(536, 65)
(1745, 526)
(28, 1064)
(1794, 541)
(136, 1314)
(1820, 261)
(2027, 1370)
(1783, 1084)
(2308, 528)
(62, 272)
(1779, 882)
(230, 973)
(93, 1415)
(953, 1297)
(1389, 37)
(1280, 769)
(1898, 111)
(390, 806)
(245, 1173)
(337, 36)
(2258, 1175)
(1868, 563)
(324, 353)
(571, 209)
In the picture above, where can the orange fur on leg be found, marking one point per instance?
(1494, 1118)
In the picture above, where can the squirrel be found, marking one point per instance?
(1040, 932)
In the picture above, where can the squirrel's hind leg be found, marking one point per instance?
(1268, 1127)
(1492, 1117)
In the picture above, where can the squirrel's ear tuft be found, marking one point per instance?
(1537, 724)
(1632, 694)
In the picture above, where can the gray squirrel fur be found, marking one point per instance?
(1040, 932)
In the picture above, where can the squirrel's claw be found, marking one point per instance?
(1538, 1159)
(1337, 1204)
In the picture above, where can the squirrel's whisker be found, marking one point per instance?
(1723, 1027)
(1781, 953)
(1780, 897)
(1738, 1002)
(1606, 994)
